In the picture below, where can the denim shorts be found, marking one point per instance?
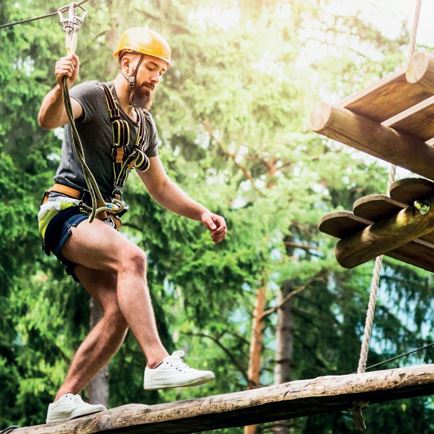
(59, 230)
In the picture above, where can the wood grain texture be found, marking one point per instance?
(420, 71)
(341, 224)
(386, 98)
(376, 207)
(387, 235)
(373, 138)
(417, 121)
(284, 401)
(410, 189)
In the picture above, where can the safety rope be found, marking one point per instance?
(359, 420)
(71, 25)
(400, 356)
(51, 14)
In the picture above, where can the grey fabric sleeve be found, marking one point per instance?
(87, 94)
(152, 150)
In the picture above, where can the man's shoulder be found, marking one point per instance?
(86, 88)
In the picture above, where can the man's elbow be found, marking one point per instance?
(45, 122)
(42, 122)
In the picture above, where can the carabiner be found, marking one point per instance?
(71, 24)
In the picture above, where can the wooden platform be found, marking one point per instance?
(395, 226)
(284, 401)
(391, 120)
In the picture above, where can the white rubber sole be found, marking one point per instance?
(189, 383)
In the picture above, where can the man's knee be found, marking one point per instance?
(133, 260)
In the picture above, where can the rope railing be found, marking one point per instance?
(359, 420)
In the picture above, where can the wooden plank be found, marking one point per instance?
(342, 224)
(417, 121)
(386, 98)
(283, 401)
(373, 138)
(410, 189)
(376, 207)
(420, 71)
(388, 235)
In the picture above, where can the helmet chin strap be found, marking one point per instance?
(132, 79)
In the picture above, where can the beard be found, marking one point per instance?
(141, 97)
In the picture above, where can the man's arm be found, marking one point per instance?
(52, 113)
(172, 197)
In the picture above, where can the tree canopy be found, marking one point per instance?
(232, 115)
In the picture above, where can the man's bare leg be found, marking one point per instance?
(104, 339)
(97, 246)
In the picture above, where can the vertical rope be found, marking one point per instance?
(359, 420)
(413, 36)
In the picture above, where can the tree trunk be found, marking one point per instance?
(284, 348)
(256, 344)
(98, 389)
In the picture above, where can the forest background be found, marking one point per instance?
(232, 114)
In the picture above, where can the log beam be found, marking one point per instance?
(283, 401)
(421, 71)
(385, 236)
(373, 138)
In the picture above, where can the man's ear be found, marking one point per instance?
(126, 63)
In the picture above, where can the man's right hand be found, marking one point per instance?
(67, 66)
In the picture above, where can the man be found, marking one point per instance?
(111, 268)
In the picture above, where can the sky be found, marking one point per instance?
(387, 15)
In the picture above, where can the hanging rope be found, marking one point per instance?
(359, 420)
(71, 25)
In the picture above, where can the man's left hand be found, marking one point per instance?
(215, 224)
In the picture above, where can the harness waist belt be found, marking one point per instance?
(64, 189)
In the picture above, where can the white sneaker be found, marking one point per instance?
(70, 406)
(174, 372)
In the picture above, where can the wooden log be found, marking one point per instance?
(385, 236)
(420, 71)
(283, 401)
(408, 190)
(342, 224)
(377, 207)
(373, 138)
(417, 121)
(385, 98)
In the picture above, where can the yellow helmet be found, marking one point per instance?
(145, 41)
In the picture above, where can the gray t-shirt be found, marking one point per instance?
(95, 130)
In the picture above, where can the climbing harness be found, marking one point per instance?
(121, 137)
(95, 204)
(358, 418)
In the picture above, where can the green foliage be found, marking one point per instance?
(232, 114)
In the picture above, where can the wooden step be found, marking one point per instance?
(376, 207)
(392, 119)
(410, 189)
(417, 121)
(344, 224)
(386, 98)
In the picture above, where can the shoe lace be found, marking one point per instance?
(176, 361)
(77, 399)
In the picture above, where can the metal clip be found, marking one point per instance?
(423, 206)
(71, 24)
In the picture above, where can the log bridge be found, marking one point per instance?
(392, 120)
(283, 401)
